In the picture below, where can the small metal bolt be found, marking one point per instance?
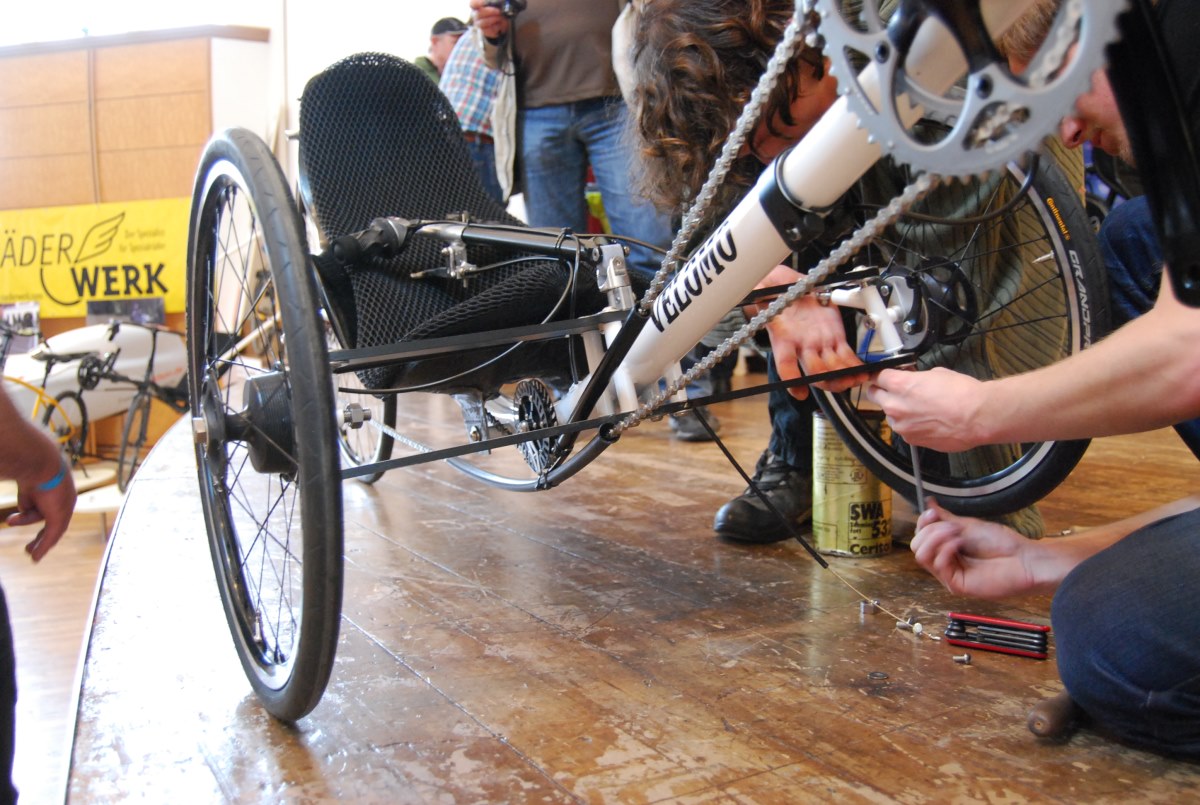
(962, 659)
(199, 430)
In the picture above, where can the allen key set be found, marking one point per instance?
(998, 634)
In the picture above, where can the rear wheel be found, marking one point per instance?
(262, 404)
(1014, 292)
(133, 439)
(67, 420)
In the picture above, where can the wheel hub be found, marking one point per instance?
(264, 424)
(268, 418)
(940, 303)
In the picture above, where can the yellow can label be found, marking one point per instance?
(852, 509)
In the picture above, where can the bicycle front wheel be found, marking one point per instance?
(1019, 290)
(67, 421)
(261, 397)
(133, 439)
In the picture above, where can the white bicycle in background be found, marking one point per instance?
(420, 284)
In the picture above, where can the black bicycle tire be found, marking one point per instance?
(1042, 466)
(74, 451)
(129, 455)
(288, 662)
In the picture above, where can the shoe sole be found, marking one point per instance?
(764, 537)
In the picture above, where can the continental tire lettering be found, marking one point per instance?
(1058, 219)
(699, 272)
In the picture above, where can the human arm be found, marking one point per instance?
(492, 23)
(987, 560)
(808, 334)
(1144, 376)
(30, 458)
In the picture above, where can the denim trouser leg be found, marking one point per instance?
(791, 424)
(558, 144)
(8, 703)
(483, 157)
(1126, 630)
(554, 164)
(603, 126)
(1134, 261)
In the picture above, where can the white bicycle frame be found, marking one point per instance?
(747, 245)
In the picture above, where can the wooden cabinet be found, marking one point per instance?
(123, 118)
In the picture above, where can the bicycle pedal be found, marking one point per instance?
(998, 634)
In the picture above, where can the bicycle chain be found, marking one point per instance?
(797, 30)
(1045, 64)
(838, 257)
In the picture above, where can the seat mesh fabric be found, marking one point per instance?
(378, 138)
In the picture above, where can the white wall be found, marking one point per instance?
(319, 34)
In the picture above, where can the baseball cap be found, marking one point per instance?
(448, 25)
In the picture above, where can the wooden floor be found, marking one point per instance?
(593, 643)
(50, 604)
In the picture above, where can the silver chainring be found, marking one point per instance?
(534, 404)
(999, 118)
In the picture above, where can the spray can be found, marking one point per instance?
(852, 509)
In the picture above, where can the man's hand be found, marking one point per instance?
(935, 408)
(489, 19)
(813, 336)
(972, 557)
(37, 503)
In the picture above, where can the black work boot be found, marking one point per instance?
(685, 425)
(747, 519)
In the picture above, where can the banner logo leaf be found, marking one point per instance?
(99, 238)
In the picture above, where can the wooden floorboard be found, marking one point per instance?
(591, 643)
(50, 604)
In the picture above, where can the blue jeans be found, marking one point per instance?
(791, 424)
(8, 703)
(1134, 261)
(557, 145)
(1129, 246)
(483, 157)
(1126, 630)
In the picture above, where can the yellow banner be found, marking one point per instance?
(64, 257)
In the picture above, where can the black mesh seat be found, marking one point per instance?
(378, 138)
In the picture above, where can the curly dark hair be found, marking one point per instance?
(695, 66)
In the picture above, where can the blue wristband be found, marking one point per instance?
(55, 481)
